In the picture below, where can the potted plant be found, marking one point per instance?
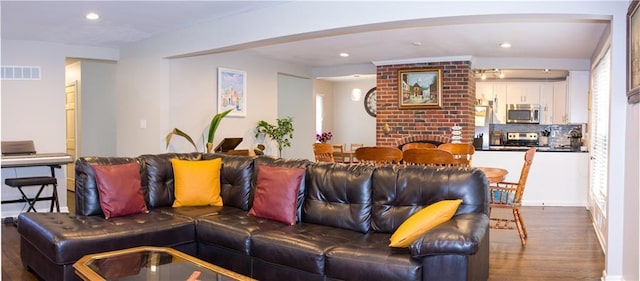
(281, 133)
(213, 126)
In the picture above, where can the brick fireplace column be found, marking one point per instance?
(458, 100)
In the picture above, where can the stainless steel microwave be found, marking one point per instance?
(523, 113)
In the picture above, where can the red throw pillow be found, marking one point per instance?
(119, 190)
(276, 195)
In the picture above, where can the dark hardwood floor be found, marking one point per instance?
(561, 246)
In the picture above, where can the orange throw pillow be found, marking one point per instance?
(197, 182)
(423, 221)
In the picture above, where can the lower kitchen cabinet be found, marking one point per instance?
(555, 178)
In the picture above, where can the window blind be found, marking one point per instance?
(599, 133)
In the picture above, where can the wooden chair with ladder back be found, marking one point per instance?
(508, 195)
(462, 152)
(323, 152)
(379, 155)
(427, 157)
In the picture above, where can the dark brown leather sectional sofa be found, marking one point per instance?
(346, 215)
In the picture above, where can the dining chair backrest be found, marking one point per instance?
(338, 152)
(418, 145)
(323, 152)
(462, 152)
(428, 157)
(352, 148)
(378, 155)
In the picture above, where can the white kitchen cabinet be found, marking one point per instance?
(578, 97)
(555, 178)
(496, 92)
(560, 115)
(523, 93)
(546, 103)
(484, 91)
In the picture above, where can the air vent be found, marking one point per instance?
(21, 73)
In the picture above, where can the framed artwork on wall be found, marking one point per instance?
(633, 53)
(420, 88)
(232, 91)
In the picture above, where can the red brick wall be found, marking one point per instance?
(458, 99)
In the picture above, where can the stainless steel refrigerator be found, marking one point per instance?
(483, 119)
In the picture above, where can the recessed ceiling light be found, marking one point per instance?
(344, 55)
(92, 16)
(505, 45)
(416, 43)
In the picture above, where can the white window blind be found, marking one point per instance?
(319, 113)
(599, 133)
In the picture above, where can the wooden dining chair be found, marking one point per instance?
(378, 155)
(352, 148)
(418, 145)
(338, 153)
(323, 152)
(462, 152)
(427, 157)
(508, 195)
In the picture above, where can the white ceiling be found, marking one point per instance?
(124, 22)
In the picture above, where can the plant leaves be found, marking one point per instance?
(215, 122)
(178, 132)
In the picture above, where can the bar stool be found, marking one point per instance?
(19, 183)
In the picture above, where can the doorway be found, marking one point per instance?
(71, 90)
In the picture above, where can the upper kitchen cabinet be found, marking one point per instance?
(553, 96)
(496, 93)
(578, 97)
(523, 93)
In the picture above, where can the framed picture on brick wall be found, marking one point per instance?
(420, 88)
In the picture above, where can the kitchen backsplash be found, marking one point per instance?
(558, 136)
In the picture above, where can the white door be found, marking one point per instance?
(70, 113)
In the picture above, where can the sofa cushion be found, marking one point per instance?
(120, 189)
(231, 228)
(86, 190)
(400, 192)
(302, 246)
(276, 195)
(159, 176)
(423, 221)
(339, 196)
(373, 259)
(197, 183)
(65, 238)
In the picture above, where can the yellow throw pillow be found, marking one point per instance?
(423, 221)
(197, 183)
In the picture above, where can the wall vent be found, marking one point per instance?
(21, 72)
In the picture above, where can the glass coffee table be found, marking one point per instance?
(150, 263)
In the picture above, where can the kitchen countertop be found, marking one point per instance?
(523, 148)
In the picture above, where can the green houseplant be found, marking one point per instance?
(281, 133)
(213, 126)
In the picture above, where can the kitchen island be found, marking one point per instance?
(556, 178)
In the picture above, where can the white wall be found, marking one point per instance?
(192, 101)
(296, 100)
(351, 123)
(98, 108)
(34, 109)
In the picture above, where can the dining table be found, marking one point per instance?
(495, 175)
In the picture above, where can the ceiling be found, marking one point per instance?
(124, 22)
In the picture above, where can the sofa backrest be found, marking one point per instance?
(235, 179)
(400, 191)
(339, 195)
(159, 175)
